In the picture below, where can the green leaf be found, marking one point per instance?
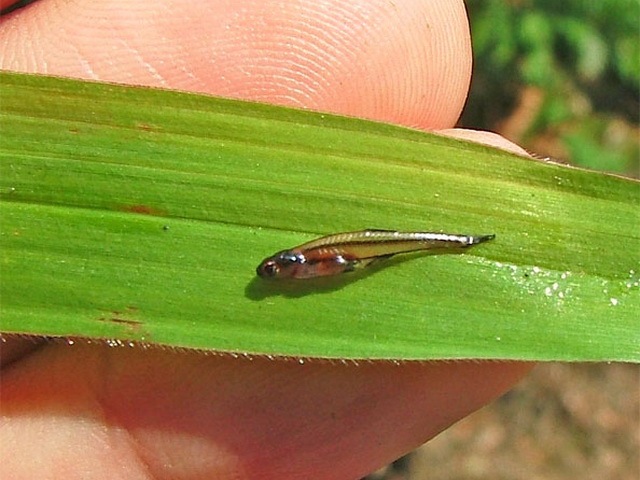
(627, 60)
(139, 215)
(587, 45)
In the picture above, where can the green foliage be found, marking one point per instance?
(587, 40)
(585, 59)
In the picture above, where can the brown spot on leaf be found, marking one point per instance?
(116, 319)
(122, 318)
(146, 127)
(132, 326)
(143, 209)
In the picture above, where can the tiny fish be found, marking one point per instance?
(346, 252)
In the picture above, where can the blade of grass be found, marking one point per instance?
(133, 214)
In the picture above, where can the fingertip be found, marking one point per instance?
(408, 63)
(486, 138)
(402, 62)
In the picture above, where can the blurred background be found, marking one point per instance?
(561, 79)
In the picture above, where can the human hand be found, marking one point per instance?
(93, 411)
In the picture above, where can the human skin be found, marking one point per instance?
(92, 411)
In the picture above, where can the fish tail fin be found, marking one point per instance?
(481, 239)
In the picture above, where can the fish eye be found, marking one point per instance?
(269, 269)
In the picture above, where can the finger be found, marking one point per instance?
(486, 138)
(167, 415)
(13, 348)
(404, 62)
